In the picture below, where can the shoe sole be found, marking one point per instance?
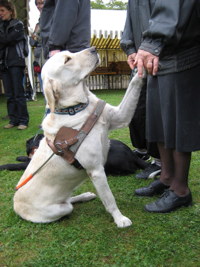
(24, 128)
(153, 174)
(9, 127)
(171, 210)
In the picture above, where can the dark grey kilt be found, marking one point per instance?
(173, 110)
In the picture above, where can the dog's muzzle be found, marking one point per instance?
(94, 52)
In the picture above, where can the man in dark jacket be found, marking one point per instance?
(136, 23)
(170, 52)
(65, 25)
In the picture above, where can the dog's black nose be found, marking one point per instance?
(93, 50)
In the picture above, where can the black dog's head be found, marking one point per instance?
(33, 143)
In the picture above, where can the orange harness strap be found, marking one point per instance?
(31, 175)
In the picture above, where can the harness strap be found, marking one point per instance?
(88, 125)
(67, 148)
(32, 174)
(68, 140)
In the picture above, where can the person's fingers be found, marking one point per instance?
(131, 60)
(53, 52)
(131, 64)
(155, 66)
(149, 66)
(140, 67)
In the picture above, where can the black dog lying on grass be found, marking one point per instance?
(121, 160)
(31, 145)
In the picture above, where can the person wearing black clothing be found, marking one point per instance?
(130, 42)
(36, 43)
(12, 56)
(170, 52)
(65, 25)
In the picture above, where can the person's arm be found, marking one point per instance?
(13, 36)
(127, 41)
(64, 18)
(168, 19)
(56, 21)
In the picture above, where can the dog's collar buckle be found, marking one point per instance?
(71, 111)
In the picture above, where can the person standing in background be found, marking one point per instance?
(130, 42)
(65, 25)
(13, 45)
(36, 43)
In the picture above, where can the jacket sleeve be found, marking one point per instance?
(64, 15)
(167, 21)
(13, 36)
(127, 41)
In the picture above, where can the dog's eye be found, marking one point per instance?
(67, 59)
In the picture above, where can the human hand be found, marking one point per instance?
(53, 52)
(146, 60)
(131, 60)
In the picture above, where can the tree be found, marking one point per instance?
(98, 4)
(113, 4)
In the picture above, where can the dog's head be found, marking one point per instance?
(63, 74)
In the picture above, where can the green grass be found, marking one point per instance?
(88, 237)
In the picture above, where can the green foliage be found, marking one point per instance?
(98, 4)
(112, 4)
(89, 237)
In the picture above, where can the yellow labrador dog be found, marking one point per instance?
(48, 195)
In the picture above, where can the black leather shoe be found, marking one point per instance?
(155, 188)
(168, 202)
(150, 171)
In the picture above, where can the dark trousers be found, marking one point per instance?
(137, 127)
(16, 100)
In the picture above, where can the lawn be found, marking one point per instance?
(89, 237)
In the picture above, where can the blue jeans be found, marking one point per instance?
(16, 100)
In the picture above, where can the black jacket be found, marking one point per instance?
(166, 28)
(65, 25)
(12, 43)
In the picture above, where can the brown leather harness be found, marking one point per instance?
(68, 140)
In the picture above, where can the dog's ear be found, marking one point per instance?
(51, 90)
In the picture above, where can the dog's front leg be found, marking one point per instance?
(99, 180)
(121, 115)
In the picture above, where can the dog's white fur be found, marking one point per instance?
(47, 196)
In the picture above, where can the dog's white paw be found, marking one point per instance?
(88, 196)
(83, 197)
(123, 222)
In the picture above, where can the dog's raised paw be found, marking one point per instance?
(123, 222)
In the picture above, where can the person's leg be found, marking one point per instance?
(179, 183)
(9, 92)
(167, 169)
(175, 169)
(137, 125)
(137, 129)
(17, 81)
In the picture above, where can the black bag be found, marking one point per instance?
(26, 50)
(2, 60)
